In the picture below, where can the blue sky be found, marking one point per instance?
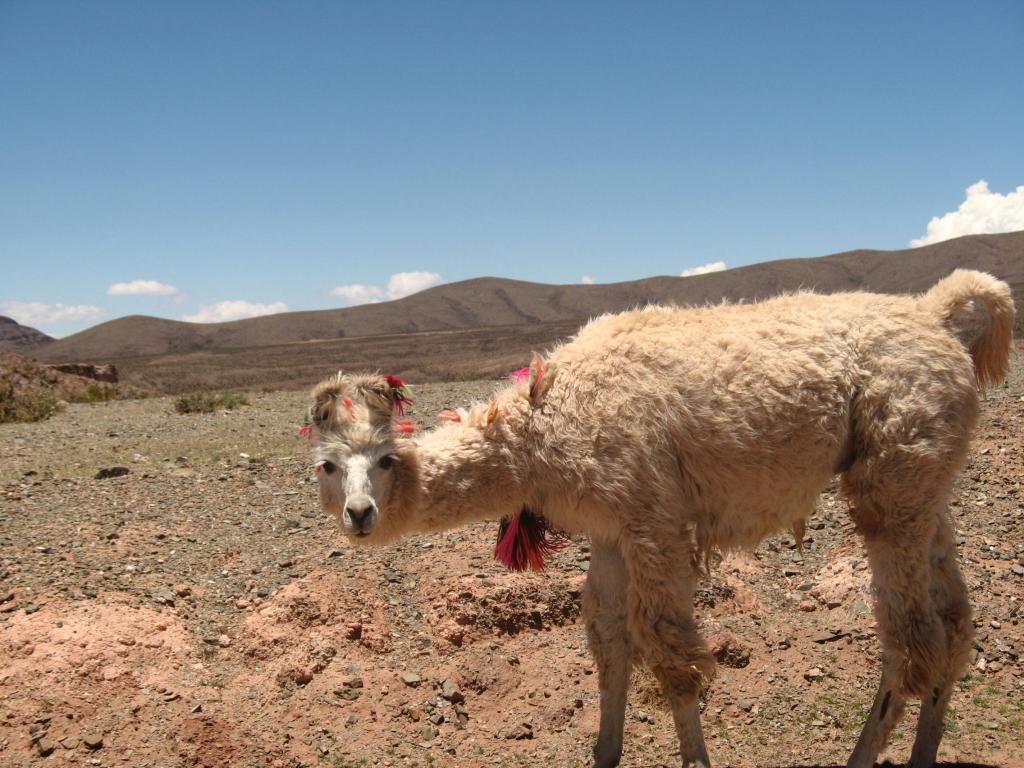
(269, 153)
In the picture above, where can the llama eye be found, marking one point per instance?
(386, 462)
(328, 467)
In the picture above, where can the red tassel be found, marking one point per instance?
(523, 541)
(399, 393)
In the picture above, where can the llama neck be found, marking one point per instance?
(465, 478)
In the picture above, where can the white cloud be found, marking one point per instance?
(400, 284)
(982, 212)
(587, 280)
(223, 311)
(357, 294)
(141, 288)
(406, 283)
(36, 313)
(703, 269)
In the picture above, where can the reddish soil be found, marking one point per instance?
(200, 610)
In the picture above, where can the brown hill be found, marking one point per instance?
(16, 337)
(485, 326)
(495, 302)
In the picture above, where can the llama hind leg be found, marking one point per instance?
(604, 606)
(661, 622)
(913, 640)
(949, 599)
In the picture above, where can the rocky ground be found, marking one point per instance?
(195, 608)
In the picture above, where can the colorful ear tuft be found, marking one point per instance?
(523, 374)
(542, 373)
(400, 393)
(449, 416)
(404, 427)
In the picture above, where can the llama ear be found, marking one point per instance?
(331, 405)
(542, 374)
(375, 393)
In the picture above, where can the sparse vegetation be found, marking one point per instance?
(204, 402)
(34, 405)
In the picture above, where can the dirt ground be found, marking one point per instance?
(199, 610)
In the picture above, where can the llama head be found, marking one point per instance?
(365, 465)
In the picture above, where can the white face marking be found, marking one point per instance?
(353, 486)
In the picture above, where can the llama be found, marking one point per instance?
(667, 433)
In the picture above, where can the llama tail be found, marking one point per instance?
(977, 309)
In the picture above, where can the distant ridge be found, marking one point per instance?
(496, 302)
(15, 337)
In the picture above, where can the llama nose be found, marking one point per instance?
(358, 512)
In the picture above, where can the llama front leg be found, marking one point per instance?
(660, 599)
(604, 606)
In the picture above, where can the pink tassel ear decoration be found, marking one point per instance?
(400, 393)
(524, 542)
(449, 416)
(306, 430)
(523, 374)
(349, 406)
(404, 427)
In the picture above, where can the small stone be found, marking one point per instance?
(746, 706)
(411, 679)
(354, 630)
(70, 742)
(46, 746)
(93, 740)
(223, 641)
(323, 747)
(814, 674)
(831, 636)
(31, 608)
(451, 692)
(807, 606)
(437, 718)
(1018, 570)
(108, 472)
(196, 709)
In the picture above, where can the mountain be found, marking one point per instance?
(484, 327)
(497, 302)
(15, 337)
